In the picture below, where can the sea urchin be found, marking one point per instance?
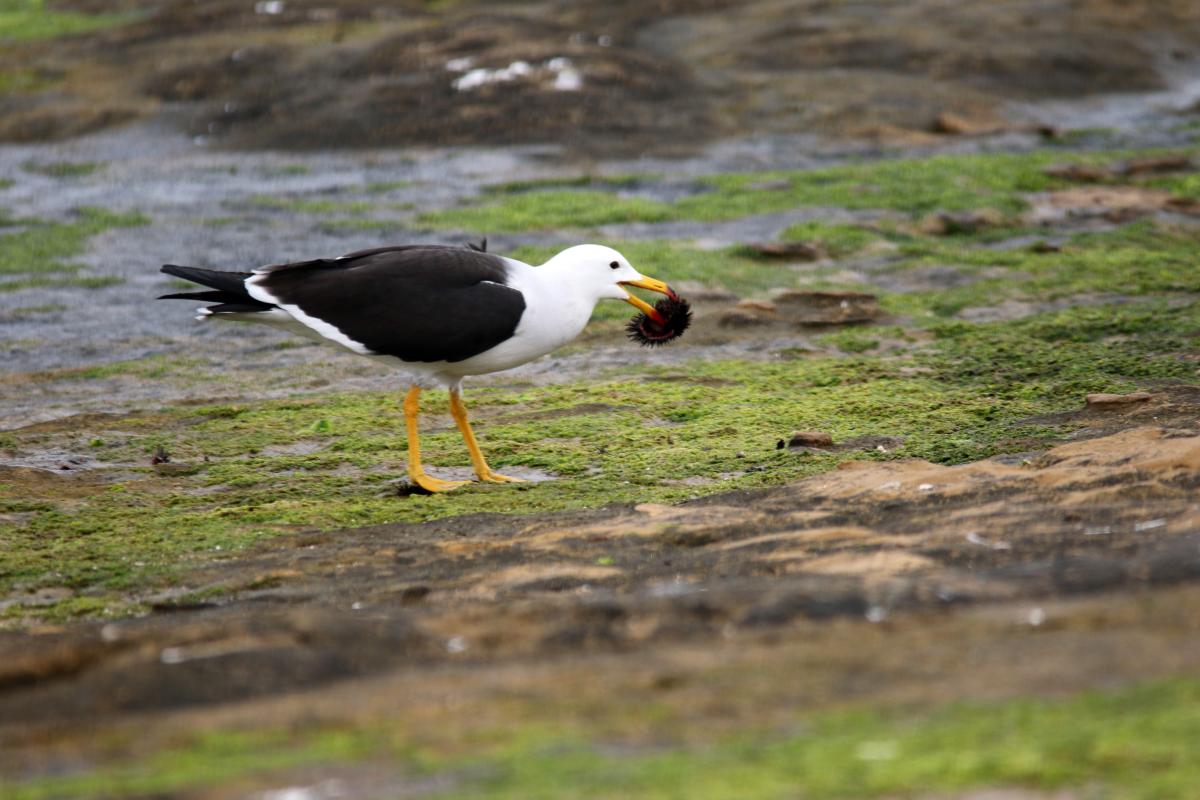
(676, 316)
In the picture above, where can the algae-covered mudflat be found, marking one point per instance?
(991, 294)
(909, 512)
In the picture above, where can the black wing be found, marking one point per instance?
(417, 302)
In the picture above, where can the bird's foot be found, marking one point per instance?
(434, 485)
(495, 477)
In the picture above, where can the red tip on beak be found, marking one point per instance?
(653, 285)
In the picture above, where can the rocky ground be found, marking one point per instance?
(910, 512)
(604, 78)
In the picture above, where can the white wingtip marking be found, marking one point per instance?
(331, 332)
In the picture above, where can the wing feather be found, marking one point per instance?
(418, 303)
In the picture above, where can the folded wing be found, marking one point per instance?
(418, 303)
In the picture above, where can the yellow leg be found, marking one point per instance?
(459, 412)
(416, 472)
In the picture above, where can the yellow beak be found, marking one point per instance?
(653, 285)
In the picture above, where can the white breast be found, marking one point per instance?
(553, 317)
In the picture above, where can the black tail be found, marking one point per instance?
(230, 288)
(234, 282)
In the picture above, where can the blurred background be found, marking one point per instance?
(596, 79)
(909, 512)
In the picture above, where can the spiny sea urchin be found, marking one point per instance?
(676, 317)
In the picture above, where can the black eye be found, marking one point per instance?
(615, 265)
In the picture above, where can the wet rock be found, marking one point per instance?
(1159, 165)
(880, 444)
(698, 293)
(1183, 205)
(749, 313)
(814, 599)
(1083, 173)
(179, 604)
(1088, 573)
(906, 72)
(770, 186)
(954, 124)
(64, 120)
(1170, 563)
(177, 469)
(1114, 203)
(1138, 167)
(826, 308)
(966, 222)
(412, 595)
(46, 596)
(736, 318)
(758, 306)
(795, 251)
(1114, 401)
(818, 439)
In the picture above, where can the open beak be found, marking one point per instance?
(640, 304)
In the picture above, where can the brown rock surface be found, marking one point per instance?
(891, 536)
(1107, 400)
(826, 308)
(350, 73)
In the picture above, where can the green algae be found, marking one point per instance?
(1131, 743)
(21, 81)
(569, 182)
(953, 391)
(287, 170)
(546, 210)
(63, 169)
(149, 367)
(84, 282)
(260, 469)
(311, 205)
(1135, 743)
(837, 240)
(43, 247)
(344, 224)
(30, 20)
(208, 760)
(854, 340)
(913, 187)
(1140, 258)
(29, 311)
